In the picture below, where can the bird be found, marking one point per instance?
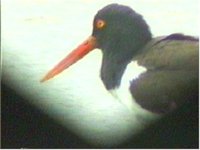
(147, 74)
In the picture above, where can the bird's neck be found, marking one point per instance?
(112, 69)
(117, 53)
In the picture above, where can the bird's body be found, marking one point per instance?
(160, 81)
(152, 75)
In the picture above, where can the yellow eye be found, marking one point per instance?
(100, 24)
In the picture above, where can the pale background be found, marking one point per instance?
(38, 34)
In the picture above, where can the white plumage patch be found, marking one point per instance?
(132, 72)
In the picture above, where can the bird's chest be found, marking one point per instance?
(122, 92)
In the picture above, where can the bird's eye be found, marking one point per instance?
(100, 24)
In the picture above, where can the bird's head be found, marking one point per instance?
(118, 27)
(117, 30)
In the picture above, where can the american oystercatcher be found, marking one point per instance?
(155, 75)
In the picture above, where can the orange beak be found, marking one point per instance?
(87, 46)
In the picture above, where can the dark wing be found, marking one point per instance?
(172, 77)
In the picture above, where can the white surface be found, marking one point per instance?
(37, 34)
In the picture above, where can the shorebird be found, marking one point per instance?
(154, 75)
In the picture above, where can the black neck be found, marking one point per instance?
(112, 69)
(116, 56)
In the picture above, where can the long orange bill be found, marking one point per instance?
(73, 57)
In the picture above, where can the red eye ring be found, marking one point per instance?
(100, 24)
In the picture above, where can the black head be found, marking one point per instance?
(118, 28)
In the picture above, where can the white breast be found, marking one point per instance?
(122, 93)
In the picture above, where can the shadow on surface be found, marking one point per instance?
(24, 126)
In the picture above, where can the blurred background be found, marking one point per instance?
(64, 112)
